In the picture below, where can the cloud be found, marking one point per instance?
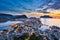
(56, 4)
(28, 5)
(53, 10)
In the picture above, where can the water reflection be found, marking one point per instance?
(9, 22)
(5, 25)
(47, 21)
(50, 21)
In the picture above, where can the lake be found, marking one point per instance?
(51, 21)
(47, 21)
(5, 25)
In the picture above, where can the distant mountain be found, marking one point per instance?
(6, 17)
(45, 16)
(19, 16)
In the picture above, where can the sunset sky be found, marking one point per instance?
(17, 7)
(22, 6)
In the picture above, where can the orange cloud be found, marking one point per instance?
(54, 15)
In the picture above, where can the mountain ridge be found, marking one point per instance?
(6, 17)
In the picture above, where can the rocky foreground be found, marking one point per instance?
(30, 29)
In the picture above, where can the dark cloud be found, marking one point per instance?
(27, 5)
(56, 5)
